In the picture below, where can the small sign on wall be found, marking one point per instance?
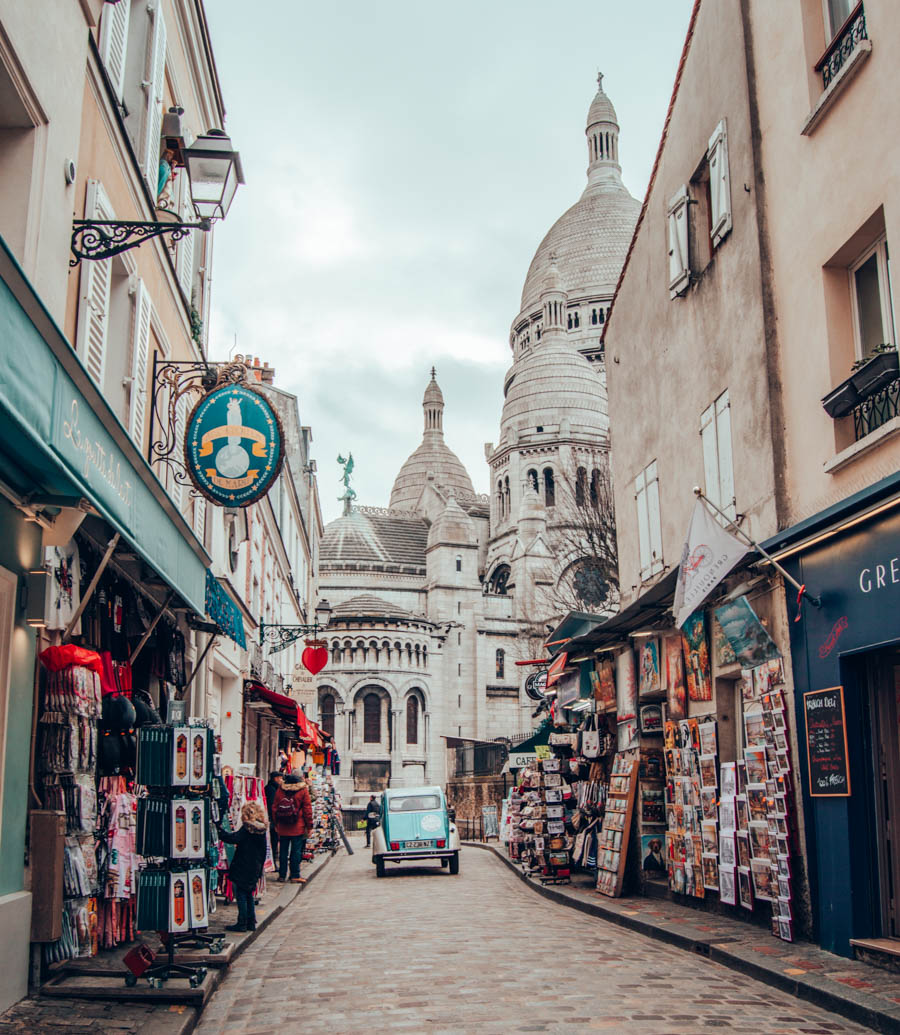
(826, 743)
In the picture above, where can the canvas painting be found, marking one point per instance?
(676, 693)
(708, 773)
(763, 881)
(648, 667)
(727, 850)
(710, 839)
(727, 817)
(696, 658)
(745, 890)
(743, 849)
(727, 888)
(727, 780)
(747, 635)
(626, 688)
(742, 812)
(723, 651)
(708, 740)
(710, 868)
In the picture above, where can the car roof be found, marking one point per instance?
(406, 792)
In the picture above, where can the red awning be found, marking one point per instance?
(557, 668)
(534, 661)
(285, 708)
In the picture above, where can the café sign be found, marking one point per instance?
(233, 445)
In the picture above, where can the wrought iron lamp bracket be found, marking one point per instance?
(279, 637)
(103, 238)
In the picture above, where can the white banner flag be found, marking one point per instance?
(708, 556)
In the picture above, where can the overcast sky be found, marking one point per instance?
(403, 161)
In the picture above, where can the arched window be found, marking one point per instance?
(595, 488)
(593, 316)
(506, 493)
(580, 486)
(569, 321)
(532, 479)
(412, 720)
(602, 315)
(500, 497)
(499, 579)
(549, 487)
(576, 319)
(372, 719)
(500, 664)
(326, 713)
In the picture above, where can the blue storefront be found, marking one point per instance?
(849, 556)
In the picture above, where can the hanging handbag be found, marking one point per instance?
(590, 739)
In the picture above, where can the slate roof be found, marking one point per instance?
(374, 541)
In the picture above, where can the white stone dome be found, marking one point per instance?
(433, 458)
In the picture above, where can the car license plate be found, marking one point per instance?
(420, 844)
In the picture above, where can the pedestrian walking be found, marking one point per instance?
(292, 811)
(247, 862)
(275, 781)
(373, 816)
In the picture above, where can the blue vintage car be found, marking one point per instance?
(415, 825)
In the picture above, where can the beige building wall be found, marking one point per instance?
(832, 189)
(669, 358)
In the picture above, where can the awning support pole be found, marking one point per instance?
(815, 601)
(137, 650)
(212, 639)
(89, 592)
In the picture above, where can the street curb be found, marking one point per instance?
(858, 1006)
(192, 1015)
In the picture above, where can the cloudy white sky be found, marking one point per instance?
(404, 159)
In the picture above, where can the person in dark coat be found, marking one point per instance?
(292, 812)
(247, 862)
(275, 781)
(373, 817)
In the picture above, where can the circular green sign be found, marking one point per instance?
(233, 445)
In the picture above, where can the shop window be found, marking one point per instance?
(718, 466)
(500, 663)
(372, 719)
(549, 487)
(646, 494)
(580, 486)
(326, 713)
(412, 720)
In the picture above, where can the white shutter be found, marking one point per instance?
(114, 43)
(140, 351)
(182, 409)
(710, 454)
(679, 265)
(726, 462)
(640, 495)
(719, 184)
(199, 517)
(93, 303)
(654, 518)
(154, 86)
(184, 259)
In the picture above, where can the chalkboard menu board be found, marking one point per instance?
(826, 743)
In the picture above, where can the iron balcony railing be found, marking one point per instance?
(842, 46)
(877, 409)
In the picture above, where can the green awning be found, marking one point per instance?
(59, 438)
(224, 611)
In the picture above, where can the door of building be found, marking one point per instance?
(884, 708)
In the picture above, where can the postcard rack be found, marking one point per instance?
(612, 848)
(175, 765)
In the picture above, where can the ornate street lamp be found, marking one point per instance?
(214, 171)
(280, 636)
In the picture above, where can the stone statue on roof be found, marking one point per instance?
(349, 494)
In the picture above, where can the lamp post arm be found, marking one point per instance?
(103, 238)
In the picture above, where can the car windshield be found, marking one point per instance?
(415, 803)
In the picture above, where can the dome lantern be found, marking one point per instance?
(602, 132)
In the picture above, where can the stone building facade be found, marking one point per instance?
(438, 595)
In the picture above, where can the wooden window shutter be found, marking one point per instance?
(93, 303)
(114, 43)
(710, 453)
(154, 87)
(654, 518)
(726, 460)
(640, 496)
(179, 491)
(184, 260)
(199, 521)
(140, 354)
(719, 184)
(679, 264)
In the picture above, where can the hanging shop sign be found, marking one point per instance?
(233, 445)
(536, 684)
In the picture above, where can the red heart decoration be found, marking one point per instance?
(314, 659)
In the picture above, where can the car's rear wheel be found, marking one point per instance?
(454, 863)
(379, 867)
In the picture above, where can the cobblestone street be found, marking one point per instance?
(424, 951)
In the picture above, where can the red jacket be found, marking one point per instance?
(303, 823)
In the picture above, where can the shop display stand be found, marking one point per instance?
(164, 774)
(612, 848)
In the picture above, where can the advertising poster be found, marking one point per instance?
(676, 692)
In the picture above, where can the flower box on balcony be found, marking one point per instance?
(872, 376)
(880, 370)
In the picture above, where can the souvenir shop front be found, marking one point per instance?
(847, 710)
(673, 761)
(66, 464)
(275, 726)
